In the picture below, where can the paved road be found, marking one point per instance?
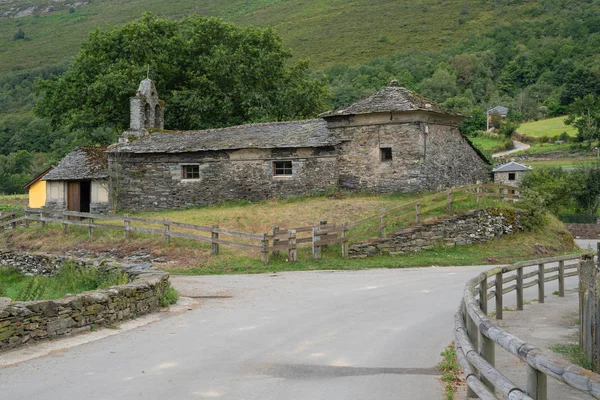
(302, 335)
(518, 147)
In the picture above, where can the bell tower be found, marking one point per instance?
(146, 110)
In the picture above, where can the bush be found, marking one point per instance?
(19, 35)
(168, 296)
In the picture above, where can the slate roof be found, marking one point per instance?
(82, 163)
(306, 133)
(392, 98)
(37, 178)
(499, 109)
(511, 167)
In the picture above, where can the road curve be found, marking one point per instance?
(518, 147)
(373, 334)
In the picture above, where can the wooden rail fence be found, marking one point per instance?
(476, 336)
(280, 239)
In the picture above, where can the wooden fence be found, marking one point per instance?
(280, 239)
(476, 336)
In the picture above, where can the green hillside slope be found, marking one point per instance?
(326, 31)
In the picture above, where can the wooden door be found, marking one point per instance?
(73, 196)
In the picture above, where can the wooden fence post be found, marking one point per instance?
(65, 226)
(167, 236)
(541, 283)
(42, 222)
(499, 296)
(589, 303)
(344, 241)
(478, 192)
(561, 279)
(275, 241)
(520, 289)
(536, 385)
(264, 244)
(126, 223)
(26, 219)
(323, 224)
(418, 213)
(449, 206)
(316, 249)
(382, 223)
(474, 337)
(90, 228)
(292, 245)
(214, 237)
(483, 296)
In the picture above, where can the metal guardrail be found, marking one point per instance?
(476, 336)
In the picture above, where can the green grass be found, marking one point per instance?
(451, 371)
(573, 353)
(562, 162)
(12, 202)
(547, 127)
(491, 144)
(69, 279)
(327, 32)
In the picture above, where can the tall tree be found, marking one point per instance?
(210, 73)
(585, 116)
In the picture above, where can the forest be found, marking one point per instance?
(537, 67)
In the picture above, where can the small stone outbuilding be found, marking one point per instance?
(79, 182)
(510, 173)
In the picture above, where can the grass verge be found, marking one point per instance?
(451, 370)
(573, 353)
(547, 127)
(69, 279)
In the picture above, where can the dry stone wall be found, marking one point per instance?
(27, 322)
(584, 231)
(474, 227)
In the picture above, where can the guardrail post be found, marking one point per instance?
(316, 250)
(382, 223)
(264, 244)
(561, 279)
(589, 303)
(499, 296)
(214, 237)
(488, 352)
(90, 228)
(536, 383)
(483, 295)
(292, 245)
(166, 235)
(520, 289)
(418, 213)
(275, 231)
(344, 240)
(473, 334)
(126, 223)
(449, 206)
(541, 283)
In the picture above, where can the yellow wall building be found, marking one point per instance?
(37, 190)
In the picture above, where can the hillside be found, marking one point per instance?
(326, 32)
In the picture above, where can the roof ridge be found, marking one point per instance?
(244, 126)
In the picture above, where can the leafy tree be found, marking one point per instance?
(552, 188)
(587, 195)
(585, 116)
(210, 73)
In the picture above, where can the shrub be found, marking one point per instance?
(19, 35)
(168, 296)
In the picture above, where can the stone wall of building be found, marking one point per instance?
(427, 153)
(27, 322)
(155, 181)
(502, 178)
(474, 227)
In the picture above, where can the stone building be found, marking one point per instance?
(510, 173)
(79, 182)
(392, 141)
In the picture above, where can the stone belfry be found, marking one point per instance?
(146, 110)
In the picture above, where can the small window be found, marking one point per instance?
(386, 153)
(282, 168)
(511, 176)
(190, 171)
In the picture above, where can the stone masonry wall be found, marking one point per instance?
(426, 155)
(26, 322)
(154, 181)
(502, 178)
(474, 227)
(584, 231)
